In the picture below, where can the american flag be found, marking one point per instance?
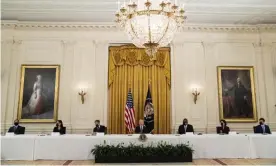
(129, 113)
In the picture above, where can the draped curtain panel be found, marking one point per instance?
(130, 67)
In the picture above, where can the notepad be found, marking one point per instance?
(99, 134)
(189, 133)
(232, 133)
(55, 134)
(9, 134)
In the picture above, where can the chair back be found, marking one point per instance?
(218, 130)
(22, 131)
(105, 130)
(254, 129)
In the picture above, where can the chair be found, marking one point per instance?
(218, 130)
(254, 129)
(105, 130)
(22, 131)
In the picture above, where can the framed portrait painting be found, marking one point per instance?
(38, 96)
(236, 87)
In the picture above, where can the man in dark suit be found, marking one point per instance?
(262, 127)
(99, 128)
(141, 128)
(185, 127)
(16, 129)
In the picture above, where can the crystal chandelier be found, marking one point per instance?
(150, 24)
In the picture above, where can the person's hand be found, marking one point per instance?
(244, 97)
(226, 90)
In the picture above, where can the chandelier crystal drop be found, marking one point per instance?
(150, 24)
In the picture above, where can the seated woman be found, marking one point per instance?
(59, 128)
(223, 129)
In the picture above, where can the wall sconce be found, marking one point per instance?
(82, 93)
(195, 94)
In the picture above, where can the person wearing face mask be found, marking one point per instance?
(185, 127)
(223, 128)
(59, 128)
(262, 127)
(141, 128)
(99, 128)
(16, 129)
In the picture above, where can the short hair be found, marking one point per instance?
(262, 119)
(224, 121)
(61, 123)
(98, 121)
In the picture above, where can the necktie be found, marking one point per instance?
(263, 128)
(185, 128)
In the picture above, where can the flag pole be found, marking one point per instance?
(129, 88)
(129, 85)
(151, 98)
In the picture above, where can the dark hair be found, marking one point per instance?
(262, 119)
(98, 121)
(61, 123)
(224, 121)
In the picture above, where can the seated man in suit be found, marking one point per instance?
(262, 128)
(16, 129)
(99, 128)
(141, 128)
(185, 127)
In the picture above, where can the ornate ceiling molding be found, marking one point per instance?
(112, 26)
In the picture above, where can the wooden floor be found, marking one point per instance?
(195, 162)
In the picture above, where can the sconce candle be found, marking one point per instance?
(82, 93)
(195, 94)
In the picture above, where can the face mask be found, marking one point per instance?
(97, 125)
(261, 123)
(16, 123)
(221, 124)
(185, 122)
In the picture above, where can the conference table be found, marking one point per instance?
(78, 147)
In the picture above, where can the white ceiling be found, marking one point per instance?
(198, 11)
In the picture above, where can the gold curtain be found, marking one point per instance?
(130, 67)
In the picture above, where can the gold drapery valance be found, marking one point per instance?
(130, 68)
(131, 55)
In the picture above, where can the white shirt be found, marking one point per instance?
(185, 128)
(263, 127)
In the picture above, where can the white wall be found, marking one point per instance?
(83, 55)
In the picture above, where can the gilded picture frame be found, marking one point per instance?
(38, 93)
(236, 93)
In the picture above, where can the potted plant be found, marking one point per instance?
(162, 152)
